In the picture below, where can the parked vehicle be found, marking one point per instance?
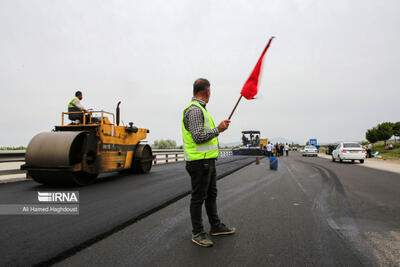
(349, 151)
(309, 151)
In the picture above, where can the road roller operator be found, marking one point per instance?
(75, 106)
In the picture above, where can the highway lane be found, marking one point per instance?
(311, 212)
(113, 202)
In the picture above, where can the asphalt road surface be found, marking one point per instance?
(110, 204)
(310, 212)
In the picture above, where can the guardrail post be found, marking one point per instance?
(176, 157)
(166, 158)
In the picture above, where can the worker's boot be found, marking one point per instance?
(202, 239)
(222, 229)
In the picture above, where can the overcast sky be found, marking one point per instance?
(332, 72)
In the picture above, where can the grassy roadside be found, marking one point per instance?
(12, 148)
(393, 154)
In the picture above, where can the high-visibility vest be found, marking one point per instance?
(193, 151)
(70, 105)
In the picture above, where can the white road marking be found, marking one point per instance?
(295, 179)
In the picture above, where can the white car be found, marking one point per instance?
(348, 151)
(309, 151)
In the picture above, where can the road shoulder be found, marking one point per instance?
(384, 165)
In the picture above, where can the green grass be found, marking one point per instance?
(12, 148)
(387, 154)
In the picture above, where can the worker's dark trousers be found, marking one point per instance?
(204, 189)
(75, 116)
(287, 153)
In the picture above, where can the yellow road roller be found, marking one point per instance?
(78, 152)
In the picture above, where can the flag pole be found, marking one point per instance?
(237, 103)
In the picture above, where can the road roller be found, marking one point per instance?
(250, 146)
(77, 152)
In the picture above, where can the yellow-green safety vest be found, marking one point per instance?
(70, 105)
(193, 151)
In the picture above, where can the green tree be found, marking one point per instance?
(384, 131)
(155, 144)
(372, 135)
(364, 143)
(396, 129)
(164, 144)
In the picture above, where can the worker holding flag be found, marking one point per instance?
(201, 150)
(200, 140)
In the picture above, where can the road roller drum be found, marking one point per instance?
(55, 149)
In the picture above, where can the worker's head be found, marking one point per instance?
(201, 89)
(78, 94)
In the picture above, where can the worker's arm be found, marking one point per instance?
(78, 104)
(194, 123)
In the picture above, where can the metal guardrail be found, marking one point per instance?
(163, 156)
(176, 155)
(169, 155)
(12, 156)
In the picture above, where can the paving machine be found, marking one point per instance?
(251, 144)
(78, 152)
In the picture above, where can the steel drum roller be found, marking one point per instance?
(52, 153)
(55, 149)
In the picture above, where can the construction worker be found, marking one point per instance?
(75, 106)
(269, 150)
(201, 150)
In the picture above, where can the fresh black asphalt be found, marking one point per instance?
(113, 202)
(310, 212)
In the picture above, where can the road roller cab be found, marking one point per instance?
(77, 152)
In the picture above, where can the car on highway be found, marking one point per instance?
(309, 151)
(349, 151)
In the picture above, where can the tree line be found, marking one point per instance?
(164, 144)
(383, 132)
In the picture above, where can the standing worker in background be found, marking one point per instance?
(201, 150)
(369, 150)
(75, 106)
(287, 149)
(269, 149)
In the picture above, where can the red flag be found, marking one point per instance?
(250, 88)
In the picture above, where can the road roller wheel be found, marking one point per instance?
(143, 159)
(84, 178)
(57, 178)
(50, 155)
